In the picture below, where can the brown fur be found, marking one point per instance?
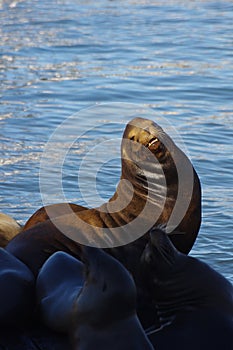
(9, 228)
(40, 237)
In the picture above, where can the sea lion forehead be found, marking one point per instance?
(141, 129)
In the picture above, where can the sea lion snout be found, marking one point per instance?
(146, 136)
(141, 130)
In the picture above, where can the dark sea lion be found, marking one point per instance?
(58, 285)
(37, 244)
(9, 228)
(194, 302)
(105, 310)
(17, 288)
(157, 179)
(34, 337)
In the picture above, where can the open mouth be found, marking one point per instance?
(157, 148)
(153, 141)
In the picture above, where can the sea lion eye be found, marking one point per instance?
(153, 141)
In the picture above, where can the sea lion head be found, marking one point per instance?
(105, 310)
(160, 255)
(109, 292)
(147, 146)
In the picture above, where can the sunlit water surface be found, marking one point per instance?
(173, 58)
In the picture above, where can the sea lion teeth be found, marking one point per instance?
(153, 141)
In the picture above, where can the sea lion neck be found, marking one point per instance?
(149, 174)
(167, 264)
(158, 177)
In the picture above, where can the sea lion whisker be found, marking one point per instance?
(175, 232)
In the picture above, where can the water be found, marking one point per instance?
(174, 58)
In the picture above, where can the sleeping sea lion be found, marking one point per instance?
(9, 228)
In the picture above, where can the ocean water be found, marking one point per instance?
(99, 64)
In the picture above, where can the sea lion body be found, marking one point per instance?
(17, 288)
(58, 209)
(58, 284)
(200, 330)
(148, 193)
(193, 301)
(35, 245)
(9, 228)
(138, 137)
(105, 311)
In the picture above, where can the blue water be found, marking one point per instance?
(170, 61)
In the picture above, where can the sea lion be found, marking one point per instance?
(105, 310)
(194, 302)
(58, 284)
(143, 135)
(9, 228)
(150, 179)
(17, 288)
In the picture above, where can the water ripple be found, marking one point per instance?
(174, 57)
